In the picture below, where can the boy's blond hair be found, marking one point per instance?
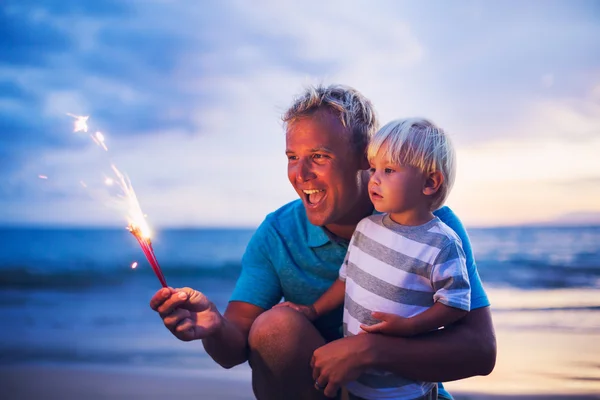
(419, 143)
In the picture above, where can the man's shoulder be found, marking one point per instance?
(288, 220)
(291, 212)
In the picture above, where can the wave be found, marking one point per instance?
(536, 274)
(516, 272)
(28, 278)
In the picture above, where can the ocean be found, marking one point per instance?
(70, 296)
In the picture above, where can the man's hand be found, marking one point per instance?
(187, 313)
(339, 362)
(308, 311)
(393, 325)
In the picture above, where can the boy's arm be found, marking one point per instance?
(331, 299)
(431, 319)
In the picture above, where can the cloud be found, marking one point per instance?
(189, 95)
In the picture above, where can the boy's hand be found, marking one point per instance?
(390, 324)
(308, 311)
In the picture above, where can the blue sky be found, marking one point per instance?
(189, 95)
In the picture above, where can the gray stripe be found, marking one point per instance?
(452, 283)
(387, 290)
(392, 257)
(383, 381)
(420, 234)
(345, 330)
(451, 251)
(358, 312)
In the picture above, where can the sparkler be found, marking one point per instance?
(138, 226)
(137, 221)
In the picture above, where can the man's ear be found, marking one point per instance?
(433, 182)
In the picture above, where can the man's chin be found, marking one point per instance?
(316, 218)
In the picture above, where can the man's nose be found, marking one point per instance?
(304, 171)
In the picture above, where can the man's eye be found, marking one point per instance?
(292, 158)
(319, 156)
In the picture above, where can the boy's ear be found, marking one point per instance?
(433, 181)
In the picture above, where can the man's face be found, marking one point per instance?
(324, 168)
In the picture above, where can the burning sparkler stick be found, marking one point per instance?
(137, 221)
(138, 226)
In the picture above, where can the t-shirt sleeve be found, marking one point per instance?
(478, 296)
(343, 269)
(258, 283)
(449, 277)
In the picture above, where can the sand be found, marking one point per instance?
(25, 382)
(532, 364)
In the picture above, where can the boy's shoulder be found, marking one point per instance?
(442, 229)
(375, 218)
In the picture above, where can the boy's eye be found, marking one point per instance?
(388, 170)
(371, 170)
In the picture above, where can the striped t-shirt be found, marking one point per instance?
(401, 270)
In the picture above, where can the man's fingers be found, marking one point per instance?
(284, 304)
(174, 301)
(174, 319)
(184, 325)
(331, 389)
(160, 297)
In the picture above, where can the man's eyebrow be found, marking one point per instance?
(321, 148)
(313, 150)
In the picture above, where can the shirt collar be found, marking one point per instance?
(316, 236)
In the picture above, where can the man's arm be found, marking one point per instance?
(229, 345)
(464, 349)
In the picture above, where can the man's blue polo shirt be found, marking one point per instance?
(290, 258)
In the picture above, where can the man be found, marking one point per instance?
(296, 254)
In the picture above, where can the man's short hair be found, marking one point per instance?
(355, 111)
(419, 143)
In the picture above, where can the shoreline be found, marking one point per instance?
(34, 381)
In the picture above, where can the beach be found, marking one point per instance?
(531, 365)
(76, 323)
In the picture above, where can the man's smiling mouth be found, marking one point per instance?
(314, 196)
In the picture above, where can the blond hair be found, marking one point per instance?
(355, 111)
(419, 143)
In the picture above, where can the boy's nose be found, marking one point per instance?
(374, 179)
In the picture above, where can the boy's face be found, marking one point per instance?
(324, 169)
(396, 189)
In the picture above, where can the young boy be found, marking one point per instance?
(405, 271)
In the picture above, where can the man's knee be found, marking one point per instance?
(281, 331)
(278, 328)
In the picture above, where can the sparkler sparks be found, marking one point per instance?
(80, 122)
(136, 218)
(137, 224)
(98, 138)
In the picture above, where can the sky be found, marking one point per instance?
(189, 97)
